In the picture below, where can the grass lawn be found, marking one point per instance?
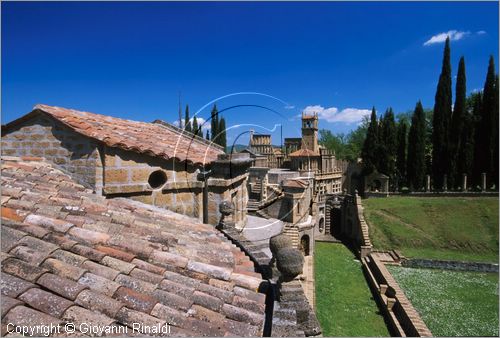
(344, 303)
(455, 228)
(452, 303)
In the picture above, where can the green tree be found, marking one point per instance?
(207, 135)
(388, 144)
(370, 145)
(416, 149)
(485, 138)
(466, 151)
(187, 121)
(401, 152)
(195, 125)
(457, 125)
(441, 121)
(495, 112)
(222, 133)
(214, 123)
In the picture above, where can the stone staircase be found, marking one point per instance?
(292, 232)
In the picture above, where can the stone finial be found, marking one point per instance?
(464, 182)
(289, 260)
(226, 209)
(483, 182)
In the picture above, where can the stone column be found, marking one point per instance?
(427, 183)
(445, 182)
(483, 182)
(464, 182)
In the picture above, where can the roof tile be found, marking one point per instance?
(64, 242)
(24, 316)
(63, 269)
(99, 284)
(9, 303)
(116, 253)
(181, 279)
(68, 257)
(207, 301)
(135, 300)
(129, 317)
(29, 255)
(101, 270)
(60, 285)
(10, 237)
(22, 269)
(88, 236)
(171, 315)
(45, 302)
(135, 284)
(173, 300)
(206, 315)
(163, 257)
(13, 286)
(95, 301)
(210, 270)
(118, 264)
(225, 295)
(180, 289)
(78, 315)
(242, 315)
(87, 252)
(146, 276)
(49, 223)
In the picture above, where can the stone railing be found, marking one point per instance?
(365, 242)
(402, 318)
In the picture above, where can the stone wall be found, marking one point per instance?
(42, 136)
(175, 186)
(402, 318)
(354, 225)
(450, 265)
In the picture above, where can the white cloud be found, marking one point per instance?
(199, 120)
(441, 37)
(332, 114)
(480, 32)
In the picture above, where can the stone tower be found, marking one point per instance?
(310, 132)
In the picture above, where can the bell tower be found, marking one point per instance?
(310, 132)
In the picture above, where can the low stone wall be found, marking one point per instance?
(402, 318)
(450, 265)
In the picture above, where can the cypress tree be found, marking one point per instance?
(457, 125)
(495, 111)
(478, 140)
(207, 135)
(466, 151)
(416, 149)
(187, 121)
(441, 120)
(222, 133)
(195, 126)
(370, 146)
(388, 144)
(214, 122)
(483, 154)
(401, 153)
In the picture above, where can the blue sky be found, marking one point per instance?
(130, 60)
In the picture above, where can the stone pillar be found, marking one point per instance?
(445, 182)
(427, 183)
(483, 182)
(464, 182)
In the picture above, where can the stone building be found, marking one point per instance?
(260, 144)
(154, 163)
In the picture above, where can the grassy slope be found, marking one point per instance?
(344, 303)
(452, 303)
(441, 228)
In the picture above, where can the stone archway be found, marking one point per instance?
(335, 222)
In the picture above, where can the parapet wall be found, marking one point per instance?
(403, 319)
(450, 265)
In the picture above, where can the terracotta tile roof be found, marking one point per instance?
(153, 139)
(303, 153)
(70, 255)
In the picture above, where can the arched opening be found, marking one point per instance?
(157, 179)
(321, 225)
(304, 245)
(376, 185)
(335, 222)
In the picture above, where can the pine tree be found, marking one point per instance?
(441, 121)
(484, 148)
(401, 153)
(222, 133)
(207, 135)
(214, 123)
(416, 149)
(187, 121)
(457, 125)
(370, 146)
(195, 126)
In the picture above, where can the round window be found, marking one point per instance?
(157, 179)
